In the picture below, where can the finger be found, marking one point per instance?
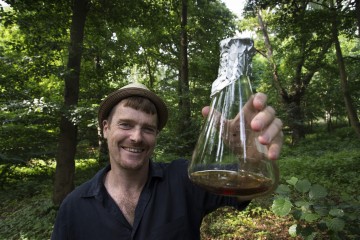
(259, 102)
(263, 119)
(205, 111)
(271, 132)
(214, 116)
(255, 104)
(275, 147)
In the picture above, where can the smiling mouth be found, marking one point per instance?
(133, 150)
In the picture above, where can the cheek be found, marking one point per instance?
(152, 142)
(112, 138)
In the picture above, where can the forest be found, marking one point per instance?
(59, 59)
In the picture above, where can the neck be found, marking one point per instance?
(126, 180)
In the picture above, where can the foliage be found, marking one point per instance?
(26, 197)
(28, 130)
(20, 222)
(255, 222)
(316, 214)
(302, 65)
(27, 211)
(318, 177)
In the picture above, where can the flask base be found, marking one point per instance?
(231, 183)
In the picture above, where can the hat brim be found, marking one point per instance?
(115, 97)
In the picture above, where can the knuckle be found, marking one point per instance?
(270, 110)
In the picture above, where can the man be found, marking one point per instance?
(135, 198)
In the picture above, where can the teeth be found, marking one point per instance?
(134, 150)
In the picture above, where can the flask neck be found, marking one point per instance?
(235, 59)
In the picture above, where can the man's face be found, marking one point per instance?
(131, 137)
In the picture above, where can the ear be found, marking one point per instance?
(105, 128)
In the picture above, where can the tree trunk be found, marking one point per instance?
(184, 69)
(357, 12)
(149, 70)
(184, 91)
(296, 119)
(65, 160)
(351, 111)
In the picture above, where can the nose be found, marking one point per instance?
(136, 135)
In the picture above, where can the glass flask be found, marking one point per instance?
(228, 158)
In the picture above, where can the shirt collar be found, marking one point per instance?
(97, 182)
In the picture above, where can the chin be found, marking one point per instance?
(134, 165)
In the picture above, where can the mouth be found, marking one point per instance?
(133, 150)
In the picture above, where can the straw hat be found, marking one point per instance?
(133, 89)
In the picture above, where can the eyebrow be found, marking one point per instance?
(133, 122)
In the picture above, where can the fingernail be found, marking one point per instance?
(265, 139)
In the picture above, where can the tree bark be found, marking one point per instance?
(184, 91)
(65, 160)
(357, 12)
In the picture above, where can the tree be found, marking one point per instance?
(357, 13)
(65, 161)
(352, 114)
(184, 89)
(301, 47)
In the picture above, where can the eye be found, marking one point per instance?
(150, 130)
(125, 126)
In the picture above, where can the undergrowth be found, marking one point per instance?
(26, 208)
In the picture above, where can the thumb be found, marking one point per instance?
(205, 111)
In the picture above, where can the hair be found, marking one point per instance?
(140, 103)
(137, 103)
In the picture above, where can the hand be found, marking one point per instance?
(262, 119)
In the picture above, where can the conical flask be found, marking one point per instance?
(228, 158)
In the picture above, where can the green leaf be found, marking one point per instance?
(321, 210)
(303, 186)
(281, 206)
(336, 212)
(292, 181)
(310, 217)
(302, 204)
(335, 224)
(283, 189)
(317, 191)
(292, 230)
(312, 236)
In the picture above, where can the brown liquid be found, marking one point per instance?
(224, 182)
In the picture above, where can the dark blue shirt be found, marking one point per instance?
(169, 207)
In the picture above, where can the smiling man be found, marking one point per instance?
(136, 198)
